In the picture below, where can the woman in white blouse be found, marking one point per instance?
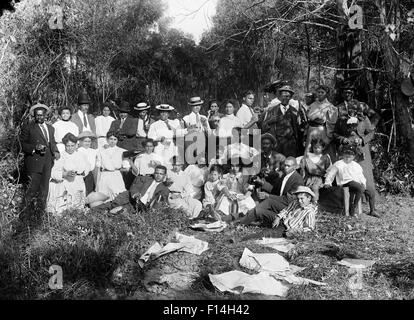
(85, 141)
(110, 163)
(228, 122)
(146, 162)
(64, 126)
(67, 187)
(103, 123)
(163, 131)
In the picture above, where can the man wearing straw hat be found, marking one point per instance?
(39, 146)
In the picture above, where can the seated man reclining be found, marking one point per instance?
(146, 192)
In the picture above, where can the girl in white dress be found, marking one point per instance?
(67, 187)
(85, 141)
(110, 163)
(163, 131)
(103, 123)
(228, 122)
(146, 162)
(64, 126)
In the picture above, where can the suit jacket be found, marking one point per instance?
(294, 181)
(128, 132)
(32, 135)
(284, 127)
(79, 122)
(141, 185)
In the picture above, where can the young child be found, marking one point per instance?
(348, 173)
(314, 165)
(236, 195)
(212, 189)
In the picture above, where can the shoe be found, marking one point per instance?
(374, 214)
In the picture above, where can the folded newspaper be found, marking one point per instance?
(185, 243)
(211, 227)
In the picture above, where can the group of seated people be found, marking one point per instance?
(298, 155)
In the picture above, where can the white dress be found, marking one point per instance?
(90, 155)
(182, 186)
(61, 129)
(226, 125)
(142, 162)
(110, 181)
(198, 177)
(102, 127)
(69, 192)
(167, 149)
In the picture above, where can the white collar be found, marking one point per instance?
(288, 175)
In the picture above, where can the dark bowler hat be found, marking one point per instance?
(124, 107)
(348, 86)
(288, 89)
(274, 86)
(195, 101)
(83, 98)
(141, 106)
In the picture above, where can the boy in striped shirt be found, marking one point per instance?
(298, 215)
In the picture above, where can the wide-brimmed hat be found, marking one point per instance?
(288, 89)
(83, 98)
(195, 101)
(164, 107)
(304, 189)
(268, 136)
(141, 106)
(87, 134)
(38, 105)
(124, 107)
(407, 86)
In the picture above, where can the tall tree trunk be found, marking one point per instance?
(392, 66)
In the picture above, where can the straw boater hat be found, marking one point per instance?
(268, 136)
(303, 189)
(407, 86)
(38, 105)
(164, 107)
(86, 134)
(288, 89)
(195, 101)
(141, 106)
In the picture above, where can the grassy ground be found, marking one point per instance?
(99, 256)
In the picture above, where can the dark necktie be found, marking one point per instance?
(85, 123)
(122, 123)
(168, 125)
(44, 131)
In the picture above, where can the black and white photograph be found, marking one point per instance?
(217, 156)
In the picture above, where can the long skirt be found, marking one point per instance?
(191, 207)
(110, 183)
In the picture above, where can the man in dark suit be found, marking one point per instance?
(39, 146)
(275, 198)
(286, 124)
(84, 121)
(147, 192)
(126, 127)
